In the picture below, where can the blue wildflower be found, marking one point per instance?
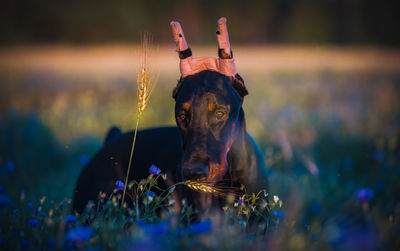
(333, 233)
(22, 195)
(250, 237)
(10, 165)
(51, 243)
(348, 164)
(150, 194)
(378, 155)
(316, 207)
(33, 222)
(84, 159)
(241, 202)
(380, 185)
(279, 215)
(4, 200)
(120, 185)
(1, 189)
(25, 244)
(79, 234)
(69, 219)
(29, 204)
(152, 229)
(154, 170)
(242, 224)
(201, 227)
(364, 194)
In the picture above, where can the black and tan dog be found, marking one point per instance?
(210, 142)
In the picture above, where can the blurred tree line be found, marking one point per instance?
(272, 21)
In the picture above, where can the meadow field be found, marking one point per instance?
(327, 120)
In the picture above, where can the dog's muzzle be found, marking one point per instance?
(195, 171)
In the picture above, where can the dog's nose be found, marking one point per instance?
(195, 172)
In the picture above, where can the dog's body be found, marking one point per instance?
(210, 143)
(164, 148)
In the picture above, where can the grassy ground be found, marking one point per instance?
(326, 119)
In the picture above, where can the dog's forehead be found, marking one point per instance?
(215, 89)
(201, 95)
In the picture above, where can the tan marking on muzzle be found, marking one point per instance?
(217, 171)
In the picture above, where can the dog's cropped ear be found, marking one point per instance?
(177, 89)
(238, 85)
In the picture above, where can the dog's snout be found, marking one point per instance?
(195, 172)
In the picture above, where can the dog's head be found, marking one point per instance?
(208, 108)
(207, 112)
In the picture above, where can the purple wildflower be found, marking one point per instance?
(120, 185)
(154, 170)
(79, 234)
(364, 194)
(4, 200)
(150, 194)
(69, 219)
(241, 202)
(33, 222)
(279, 215)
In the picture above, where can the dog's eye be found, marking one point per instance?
(219, 115)
(182, 117)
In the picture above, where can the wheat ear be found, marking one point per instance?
(215, 189)
(200, 186)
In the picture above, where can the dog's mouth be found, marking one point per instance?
(220, 188)
(203, 179)
(204, 174)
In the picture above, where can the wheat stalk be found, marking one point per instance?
(144, 89)
(200, 186)
(208, 187)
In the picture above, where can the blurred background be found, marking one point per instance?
(271, 21)
(323, 104)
